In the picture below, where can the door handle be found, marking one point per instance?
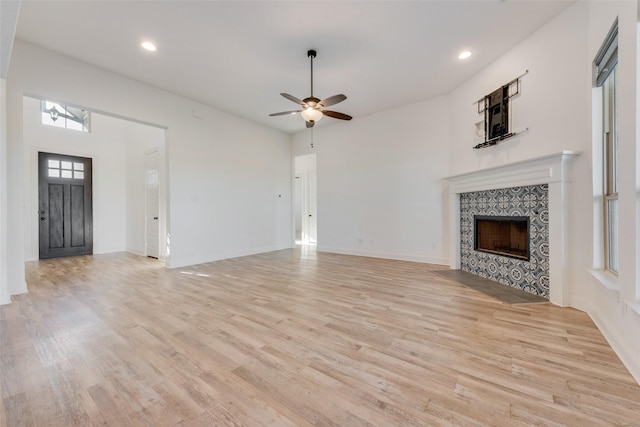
(155, 217)
(42, 218)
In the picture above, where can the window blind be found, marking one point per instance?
(607, 57)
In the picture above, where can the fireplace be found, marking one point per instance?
(502, 191)
(502, 235)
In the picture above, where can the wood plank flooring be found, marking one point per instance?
(295, 337)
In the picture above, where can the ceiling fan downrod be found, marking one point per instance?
(311, 54)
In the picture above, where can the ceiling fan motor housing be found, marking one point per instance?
(311, 101)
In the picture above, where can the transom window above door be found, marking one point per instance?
(64, 116)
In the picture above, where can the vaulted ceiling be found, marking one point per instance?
(239, 55)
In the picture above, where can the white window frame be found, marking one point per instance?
(610, 173)
(605, 78)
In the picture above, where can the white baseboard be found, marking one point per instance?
(176, 262)
(136, 252)
(630, 359)
(5, 299)
(625, 318)
(385, 255)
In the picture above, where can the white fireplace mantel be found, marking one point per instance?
(552, 169)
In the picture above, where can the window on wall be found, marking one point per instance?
(610, 141)
(606, 77)
(64, 116)
(62, 169)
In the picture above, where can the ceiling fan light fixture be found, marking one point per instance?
(311, 114)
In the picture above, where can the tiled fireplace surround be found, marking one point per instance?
(514, 180)
(530, 275)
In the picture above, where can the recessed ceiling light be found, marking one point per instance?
(464, 54)
(149, 46)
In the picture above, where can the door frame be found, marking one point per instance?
(164, 240)
(31, 219)
(310, 192)
(159, 177)
(87, 213)
(303, 165)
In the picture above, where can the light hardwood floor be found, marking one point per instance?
(295, 338)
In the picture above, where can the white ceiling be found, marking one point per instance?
(239, 55)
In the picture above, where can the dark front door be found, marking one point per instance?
(65, 208)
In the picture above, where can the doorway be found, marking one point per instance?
(305, 200)
(118, 149)
(65, 207)
(152, 205)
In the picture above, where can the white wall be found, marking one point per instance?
(9, 11)
(115, 147)
(555, 104)
(15, 206)
(380, 192)
(229, 179)
(5, 294)
(552, 103)
(8, 23)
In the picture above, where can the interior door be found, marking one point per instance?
(152, 205)
(64, 205)
(313, 207)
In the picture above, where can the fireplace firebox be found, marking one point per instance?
(502, 235)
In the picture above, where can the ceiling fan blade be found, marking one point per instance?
(310, 123)
(332, 100)
(284, 113)
(336, 115)
(293, 98)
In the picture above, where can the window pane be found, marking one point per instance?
(610, 151)
(49, 104)
(612, 234)
(66, 165)
(54, 164)
(66, 173)
(614, 120)
(55, 173)
(152, 178)
(71, 124)
(64, 116)
(78, 166)
(78, 175)
(47, 120)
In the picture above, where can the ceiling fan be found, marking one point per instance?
(312, 107)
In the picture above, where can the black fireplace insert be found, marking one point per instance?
(502, 235)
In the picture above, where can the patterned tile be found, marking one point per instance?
(532, 201)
